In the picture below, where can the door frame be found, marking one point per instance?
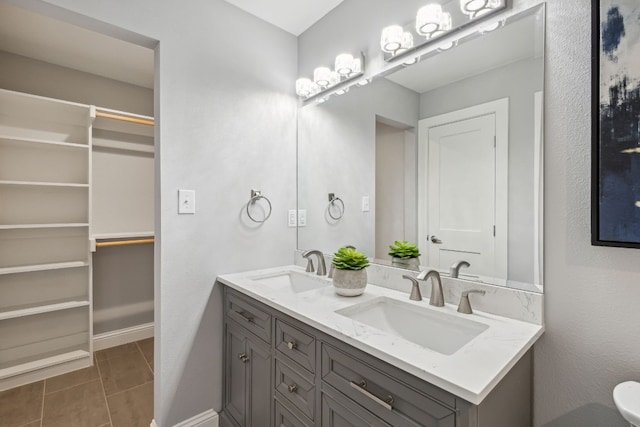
(500, 108)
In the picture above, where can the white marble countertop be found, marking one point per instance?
(470, 373)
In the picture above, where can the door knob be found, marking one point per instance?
(434, 239)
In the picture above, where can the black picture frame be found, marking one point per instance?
(615, 175)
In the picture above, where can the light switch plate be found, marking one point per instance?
(365, 203)
(291, 219)
(186, 201)
(302, 218)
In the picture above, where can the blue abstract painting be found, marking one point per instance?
(616, 151)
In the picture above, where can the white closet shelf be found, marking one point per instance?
(41, 363)
(21, 140)
(131, 235)
(44, 184)
(43, 267)
(36, 226)
(33, 309)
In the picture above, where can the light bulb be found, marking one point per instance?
(303, 87)
(344, 64)
(428, 19)
(322, 76)
(391, 39)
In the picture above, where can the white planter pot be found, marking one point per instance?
(349, 283)
(409, 263)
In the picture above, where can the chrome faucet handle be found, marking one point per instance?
(456, 266)
(465, 305)
(310, 268)
(437, 296)
(415, 290)
(322, 268)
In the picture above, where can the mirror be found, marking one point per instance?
(446, 153)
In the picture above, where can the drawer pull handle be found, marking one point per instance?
(245, 316)
(292, 345)
(243, 357)
(292, 388)
(361, 387)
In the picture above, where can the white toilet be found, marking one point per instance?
(626, 395)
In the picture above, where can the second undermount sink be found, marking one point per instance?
(427, 327)
(293, 281)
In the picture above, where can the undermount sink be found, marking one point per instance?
(292, 280)
(427, 327)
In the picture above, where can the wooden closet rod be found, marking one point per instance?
(124, 118)
(124, 243)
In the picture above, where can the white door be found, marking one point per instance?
(463, 180)
(461, 198)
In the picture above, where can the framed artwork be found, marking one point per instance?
(615, 189)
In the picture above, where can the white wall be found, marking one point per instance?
(226, 124)
(591, 293)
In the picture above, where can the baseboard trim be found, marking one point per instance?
(122, 336)
(208, 418)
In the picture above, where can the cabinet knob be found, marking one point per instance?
(292, 345)
(292, 388)
(243, 357)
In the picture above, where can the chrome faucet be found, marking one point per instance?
(322, 268)
(455, 268)
(437, 296)
(465, 305)
(415, 289)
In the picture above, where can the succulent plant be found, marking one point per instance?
(404, 250)
(350, 259)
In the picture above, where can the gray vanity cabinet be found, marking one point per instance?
(248, 394)
(280, 372)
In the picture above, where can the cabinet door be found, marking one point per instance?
(235, 369)
(259, 391)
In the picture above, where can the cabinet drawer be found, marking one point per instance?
(340, 412)
(297, 345)
(393, 401)
(296, 388)
(286, 417)
(249, 316)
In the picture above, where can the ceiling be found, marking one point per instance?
(293, 16)
(514, 42)
(29, 34)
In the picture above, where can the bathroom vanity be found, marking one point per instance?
(295, 357)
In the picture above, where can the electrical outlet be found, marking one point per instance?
(365, 203)
(292, 218)
(302, 218)
(186, 201)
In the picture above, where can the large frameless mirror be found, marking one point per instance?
(445, 153)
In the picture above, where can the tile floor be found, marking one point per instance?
(117, 391)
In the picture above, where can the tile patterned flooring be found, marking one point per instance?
(117, 391)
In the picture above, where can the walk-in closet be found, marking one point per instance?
(76, 195)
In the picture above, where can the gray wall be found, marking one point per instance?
(591, 293)
(518, 82)
(226, 124)
(337, 154)
(28, 75)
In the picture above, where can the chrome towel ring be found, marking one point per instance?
(255, 196)
(332, 202)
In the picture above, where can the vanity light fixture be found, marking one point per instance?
(476, 8)
(324, 78)
(431, 21)
(395, 40)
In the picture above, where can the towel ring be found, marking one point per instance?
(255, 196)
(332, 200)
